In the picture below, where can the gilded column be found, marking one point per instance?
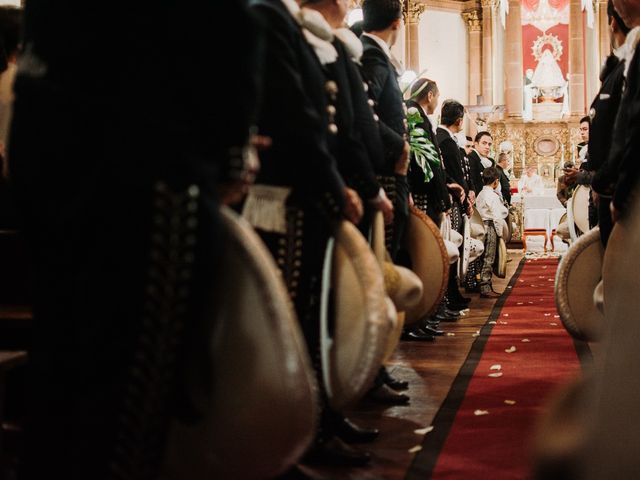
(487, 52)
(412, 10)
(576, 59)
(472, 19)
(514, 78)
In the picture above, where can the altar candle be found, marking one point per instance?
(523, 159)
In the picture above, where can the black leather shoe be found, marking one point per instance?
(447, 318)
(385, 394)
(394, 383)
(417, 335)
(432, 320)
(335, 452)
(351, 433)
(431, 331)
(457, 306)
(455, 313)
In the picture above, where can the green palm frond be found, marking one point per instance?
(423, 149)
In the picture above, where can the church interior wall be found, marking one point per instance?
(444, 53)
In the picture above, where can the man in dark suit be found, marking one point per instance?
(119, 144)
(381, 25)
(451, 123)
(505, 184)
(627, 172)
(583, 146)
(465, 150)
(613, 423)
(432, 196)
(452, 116)
(382, 22)
(604, 110)
(300, 113)
(626, 131)
(359, 150)
(584, 175)
(479, 160)
(356, 123)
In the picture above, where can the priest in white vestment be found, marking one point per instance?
(531, 183)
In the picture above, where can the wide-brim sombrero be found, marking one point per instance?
(580, 207)
(355, 323)
(578, 274)
(508, 231)
(401, 284)
(500, 262)
(263, 392)
(396, 330)
(478, 228)
(429, 261)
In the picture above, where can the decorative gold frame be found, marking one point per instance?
(544, 152)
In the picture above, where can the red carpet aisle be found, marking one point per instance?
(521, 356)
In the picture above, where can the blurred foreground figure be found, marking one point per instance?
(119, 146)
(595, 435)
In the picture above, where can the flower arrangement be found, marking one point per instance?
(423, 149)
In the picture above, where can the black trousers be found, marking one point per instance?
(453, 291)
(299, 254)
(604, 219)
(593, 212)
(397, 189)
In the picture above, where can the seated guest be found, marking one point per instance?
(493, 213)
(531, 182)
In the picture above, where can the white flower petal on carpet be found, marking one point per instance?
(423, 431)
